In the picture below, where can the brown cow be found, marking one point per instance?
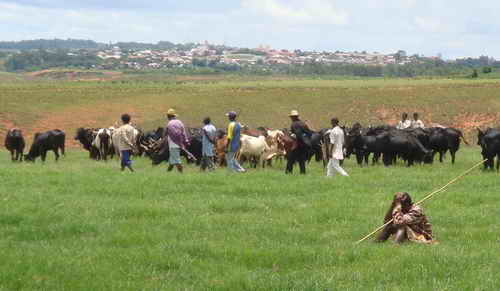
(220, 150)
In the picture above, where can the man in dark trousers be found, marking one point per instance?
(303, 143)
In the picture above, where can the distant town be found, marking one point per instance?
(155, 59)
(34, 55)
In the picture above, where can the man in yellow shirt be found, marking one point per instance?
(233, 143)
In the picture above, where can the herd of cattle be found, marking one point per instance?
(262, 145)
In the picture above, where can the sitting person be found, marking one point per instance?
(409, 222)
(416, 122)
(405, 122)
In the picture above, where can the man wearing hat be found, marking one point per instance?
(303, 137)
(177, 140)
(233, 143)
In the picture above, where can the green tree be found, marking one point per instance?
(487, 70)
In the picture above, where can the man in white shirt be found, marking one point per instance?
(405, 122)
(337, 150)
(207, 145)
(416, 123)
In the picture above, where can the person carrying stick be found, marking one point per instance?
(409, 223)
(388, 220)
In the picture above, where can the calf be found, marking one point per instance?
(14, 142)
(51, 140)
(220, 148)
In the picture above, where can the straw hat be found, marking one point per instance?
(294, 113)
(171, 112)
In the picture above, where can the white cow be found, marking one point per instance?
(254, 148)
(275, 143)
(104, 143)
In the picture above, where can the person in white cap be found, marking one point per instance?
(337, 149)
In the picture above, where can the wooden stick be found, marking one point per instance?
(424, 199)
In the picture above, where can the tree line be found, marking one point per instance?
(41, 59)
(50, 44)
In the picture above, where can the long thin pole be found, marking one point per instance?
(424, 199)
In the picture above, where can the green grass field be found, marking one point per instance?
(83, 225)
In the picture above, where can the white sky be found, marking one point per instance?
(454, 28)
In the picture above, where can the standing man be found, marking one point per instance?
(208, 142)
(125, 142)
(233, 143)
(405, 122)
(177, 140)
(303, 139)
(337, 149)
(416, 123)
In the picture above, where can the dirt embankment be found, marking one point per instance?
(466, 122)
(71, 119)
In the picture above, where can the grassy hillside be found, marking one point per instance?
(43, 105)
(83, 225)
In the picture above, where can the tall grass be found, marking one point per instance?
(83, 225)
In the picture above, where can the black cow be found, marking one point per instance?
(161, 153)
(394, 143)
(148, 138)
(195, 146)
(316, 147)
(442, 140)
(51, 140)
(423, 137)
(405, 145)
(86, 136)
(362, 146)
(489, 140)
(14, 142)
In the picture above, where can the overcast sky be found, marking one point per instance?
(454, 28)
